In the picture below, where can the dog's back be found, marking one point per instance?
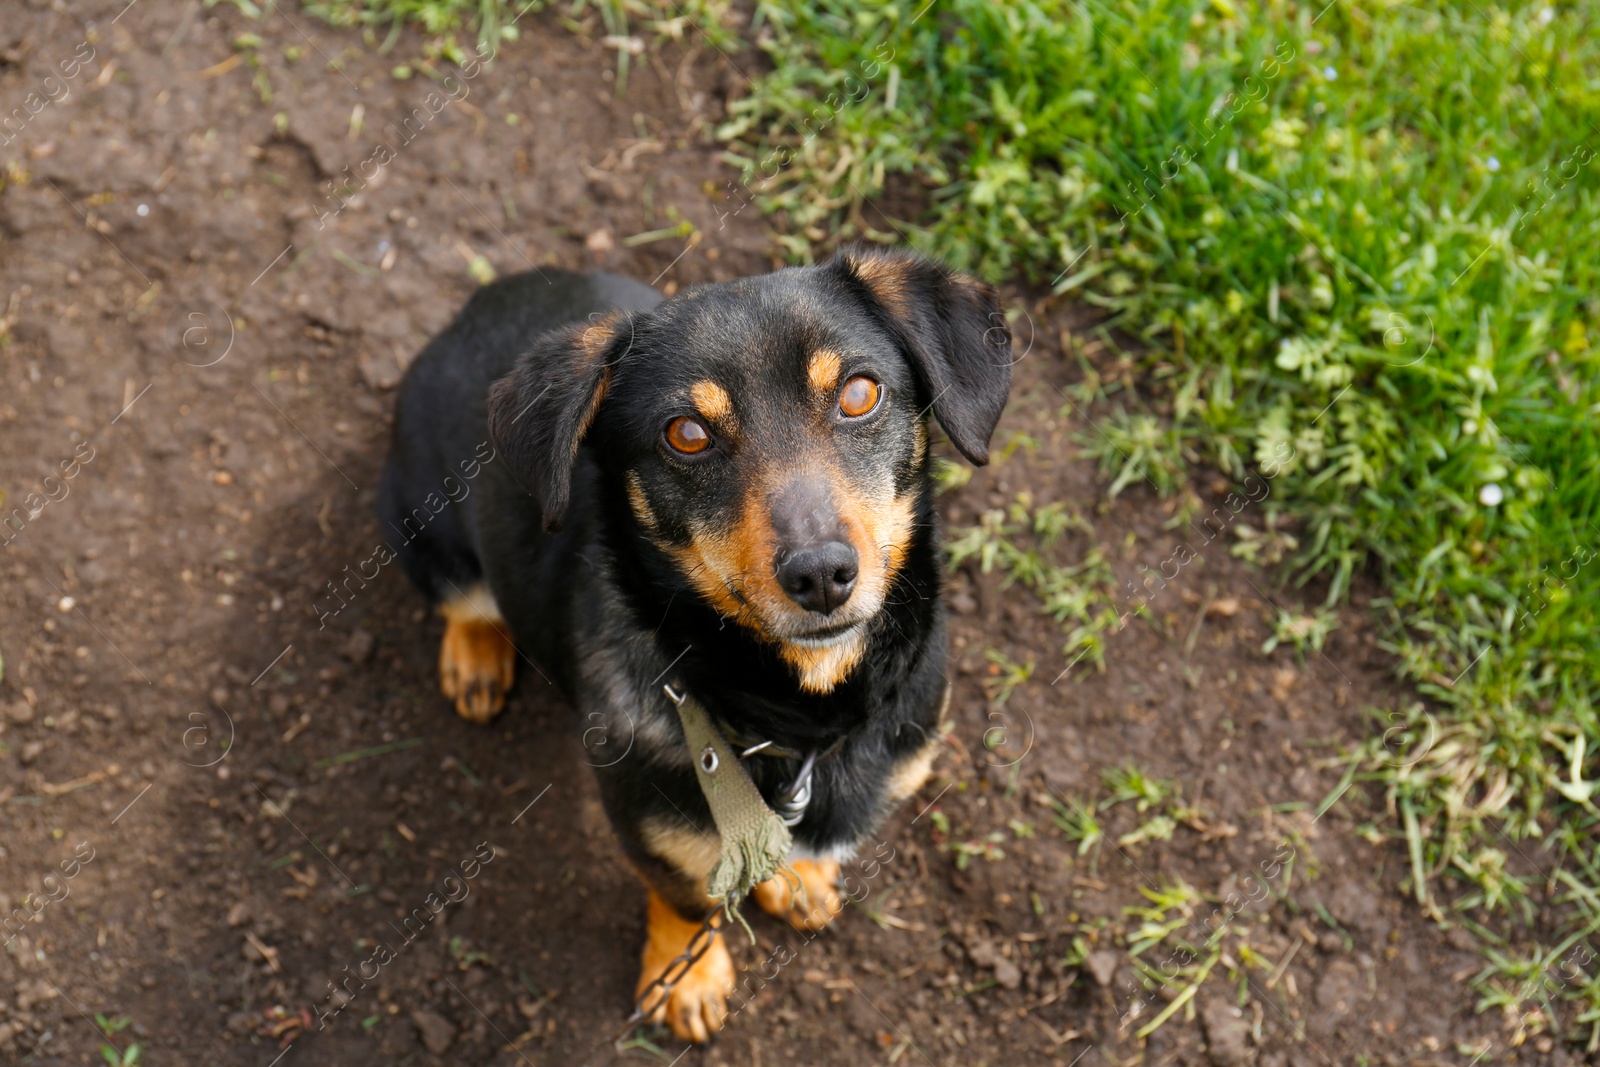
(441, 417)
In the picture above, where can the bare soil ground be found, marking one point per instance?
(266, 776)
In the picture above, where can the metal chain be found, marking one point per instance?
(698, 946)
(674, 973)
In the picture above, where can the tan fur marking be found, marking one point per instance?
(732, 568)
(593, 339)
(477, 604)
(822, 669)
(682, 847)
(912, 772)
(594, 406)
(477, 661)
(881, 533)
(817, 903)
(880, 530)
(888, 279)
(712, 401)
(697, 1004)
(640, 504)
(823, 371)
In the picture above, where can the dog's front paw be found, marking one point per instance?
(812, 909)
(697, 1003)
(477, 664)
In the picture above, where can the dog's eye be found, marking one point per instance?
(859, 396)
(688, 436)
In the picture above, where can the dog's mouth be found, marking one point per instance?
(826, 636)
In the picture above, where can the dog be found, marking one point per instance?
(729, 491)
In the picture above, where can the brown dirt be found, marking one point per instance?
(178, 596)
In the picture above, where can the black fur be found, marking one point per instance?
(601, 602)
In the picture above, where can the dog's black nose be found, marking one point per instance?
(819, 577)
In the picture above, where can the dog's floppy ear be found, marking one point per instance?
(953, 329)
(540, 412)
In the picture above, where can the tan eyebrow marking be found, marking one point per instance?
(823, 371)
(712, 401)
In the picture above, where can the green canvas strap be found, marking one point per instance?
(755, 841)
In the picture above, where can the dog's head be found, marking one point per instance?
(769, 435)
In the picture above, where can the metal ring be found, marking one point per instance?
(708, 760)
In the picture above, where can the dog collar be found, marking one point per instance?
(793, 799)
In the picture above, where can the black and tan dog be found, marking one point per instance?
(727, 490)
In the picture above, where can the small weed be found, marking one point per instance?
(1171, 908)
(1266, 547)
(1305, 632)
(1051, 521)
(987, 846)
(128, 1057)
(1159, 828)
(1079, 596)
(1137, 447)
(465, 956)
(948, 475)
(1005, 675)
(1128, 782)
(1077, 953)
(1078, 823)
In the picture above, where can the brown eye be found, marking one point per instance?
(859, 396)
(687, 436)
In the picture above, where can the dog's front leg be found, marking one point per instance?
(673, 857)
(693, 1002)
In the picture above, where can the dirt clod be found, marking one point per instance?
(1227, 607)
(1102, 966)
(358, 649)
(982, 952)
(1227, 1034)
(1341, 989)
(435, 1031)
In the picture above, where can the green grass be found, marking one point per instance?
(1356, 268)
(1358, 242)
